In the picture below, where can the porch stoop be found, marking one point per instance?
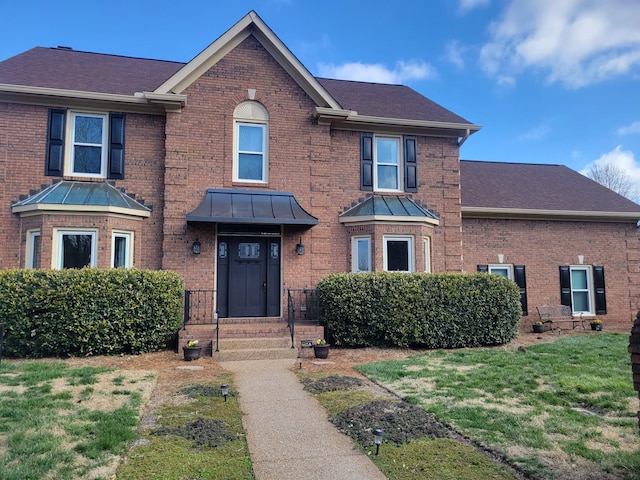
(250, 338)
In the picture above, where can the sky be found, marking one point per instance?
(549, 81)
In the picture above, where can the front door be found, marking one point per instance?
(248, 276)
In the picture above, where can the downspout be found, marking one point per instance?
(464, 139)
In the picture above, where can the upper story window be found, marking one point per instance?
(85, 144)
(250, 155)
(88, 155)
(388, 163)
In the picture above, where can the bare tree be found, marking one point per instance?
(614, 178)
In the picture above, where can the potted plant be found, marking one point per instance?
(321, 348)
(596, 325)
(192, 350)
(538, 327)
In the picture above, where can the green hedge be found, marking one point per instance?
(419, 310)
(89, 311)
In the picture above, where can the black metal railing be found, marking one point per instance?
(303, 306)
(199, 307)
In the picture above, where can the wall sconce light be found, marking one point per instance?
(377, 438)
(300, 247)
(195, 248)
(500, 258)
(225, 391)
(580, 259)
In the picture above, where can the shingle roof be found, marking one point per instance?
(384, 100)
(536, 187)
(68, 69)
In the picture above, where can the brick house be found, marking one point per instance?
(251, 177)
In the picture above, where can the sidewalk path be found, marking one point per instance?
(288, 432)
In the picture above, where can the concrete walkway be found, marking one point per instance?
(288, 432)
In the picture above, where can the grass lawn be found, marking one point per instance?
(560, 410)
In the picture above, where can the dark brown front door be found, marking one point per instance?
(248, 276)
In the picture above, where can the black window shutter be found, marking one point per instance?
(483, 268)
(521, 281)
(116, 146)
(565, 285)
(54, 162)
(410, 165)
(598, 283)
(366, 161)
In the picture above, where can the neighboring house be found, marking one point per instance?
(249, 176)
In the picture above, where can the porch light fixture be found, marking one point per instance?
(300, 247)
(225, 391)
(195, 248)
(377, 438)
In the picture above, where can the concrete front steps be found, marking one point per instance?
(261, 338)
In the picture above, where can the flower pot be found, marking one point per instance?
(596, 326)
(538, 328)
(191, 353)
(321, 351)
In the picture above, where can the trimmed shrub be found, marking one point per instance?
(88, 311)
(448, 310)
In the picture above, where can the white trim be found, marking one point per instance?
(427, 254)
(129, 237)
(70, 144)
(355, 244)
(589, 290)
(58, 233)
(399, 165)
(501, 266)
(237, 123)
(409, 239)
(38, 209)
(523, 213)
(388, 220)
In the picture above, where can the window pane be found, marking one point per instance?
(120, 252)
(76, 250)
(362, 255)
(387, 150)
(397, 256)
(250, 138)
(87, 159)
(88, 130)
(581, 302)
(388, 177)
(249, 167)
(36, 248)
(503, 272)
(578, 279)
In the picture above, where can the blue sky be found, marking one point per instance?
(550, 81)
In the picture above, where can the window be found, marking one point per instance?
(398, 254)
(582, 287)
(505, 271)
(517, 273)
(76, 249)
(427, 255)
(85, 144)
(250, 142)
(121, 250)
(361, 254)
(387, 163)
(34, 249)
(88, 145)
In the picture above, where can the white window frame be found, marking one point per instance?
(410, 251)
(427, 254)
(378, 163)
(71, 144)
(238, 124)
(502, 266)
(58, 245)
(128, 236)
(357, 244)
(589, 290)
(33, 258)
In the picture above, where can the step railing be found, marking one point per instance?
(302, 306)
(200, 309)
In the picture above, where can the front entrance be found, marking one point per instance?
(248, 276)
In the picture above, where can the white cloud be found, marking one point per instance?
(630, 129)
(575, 42)
(467, 5)
(536, 133)
(455, 52)
(377, 72)
(623, 159)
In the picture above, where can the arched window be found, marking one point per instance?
(251, 131)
